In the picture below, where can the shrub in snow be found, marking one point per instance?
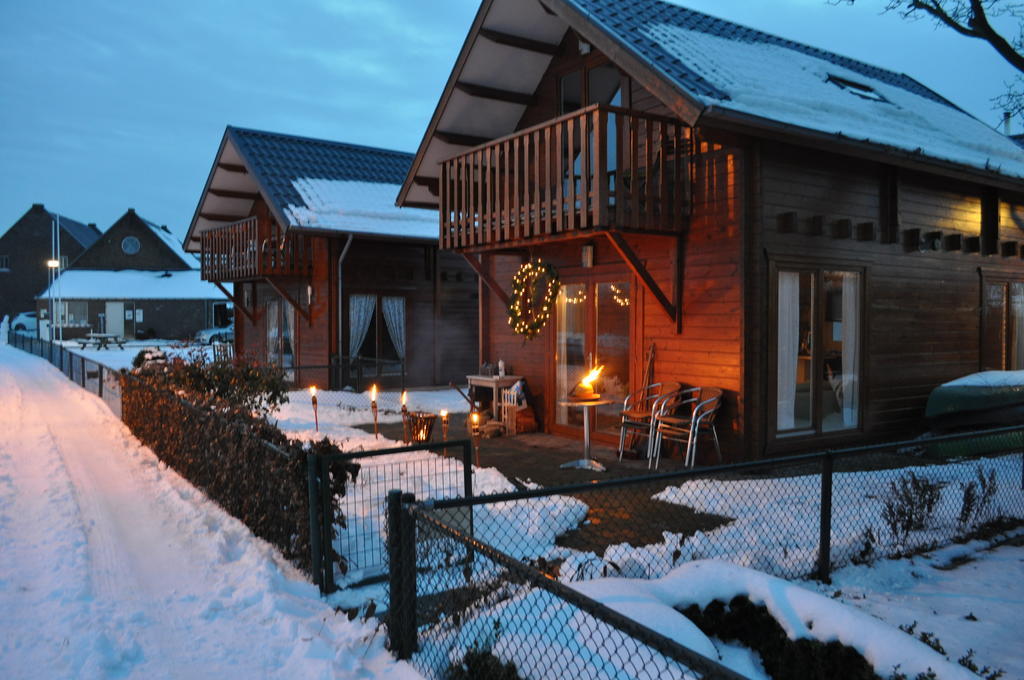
(978, 494)
(784, 659)
(911, 504)
(150, 359)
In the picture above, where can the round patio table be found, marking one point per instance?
(585, 463)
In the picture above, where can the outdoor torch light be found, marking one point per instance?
(373, 407)
(312, 395)
(444, 430)
(474, 418)
(405, 420)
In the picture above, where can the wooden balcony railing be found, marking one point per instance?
(599, 167)
(249, 249)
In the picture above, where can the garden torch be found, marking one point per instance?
(373, 407)
(312, 395)
(405, 420)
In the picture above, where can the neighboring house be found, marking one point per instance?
(824, 239)
(24, 250)
(135, 281)
(325, 270)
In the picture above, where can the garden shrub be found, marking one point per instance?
(910, 506)
(753, 626)
(481, 664)
(977, 500)
(238, 459)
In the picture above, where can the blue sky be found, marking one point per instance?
(108, 105)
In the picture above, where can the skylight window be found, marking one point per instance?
(859, 89)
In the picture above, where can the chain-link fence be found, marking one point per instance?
(462, 609)
(478, 566)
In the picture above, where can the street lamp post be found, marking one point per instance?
(53, 268)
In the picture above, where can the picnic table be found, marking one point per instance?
(101, 340)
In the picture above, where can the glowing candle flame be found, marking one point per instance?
(312, 390)
(476, 418)
(444, 413)
(403, 397)
(373, 392)
(589, 378)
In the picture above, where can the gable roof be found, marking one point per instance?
(171, 241)
(84, 234)
(707, 69)
(309, 184)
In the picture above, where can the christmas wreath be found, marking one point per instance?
(534, 289)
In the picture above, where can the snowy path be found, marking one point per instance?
(112, 566)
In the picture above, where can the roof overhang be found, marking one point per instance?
(746, 124)
(522, 33)
(231, 189)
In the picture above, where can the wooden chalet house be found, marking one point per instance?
(325, 271)
(824, 239)
(27, 245)
(134, 281)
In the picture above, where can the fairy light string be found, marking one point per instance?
(534, 291)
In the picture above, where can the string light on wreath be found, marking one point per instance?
(534, 291)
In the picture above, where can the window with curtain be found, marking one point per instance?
(377, 333)
(817, 331)
(1002, 322)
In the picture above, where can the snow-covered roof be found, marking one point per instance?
(354, 206)
(309, 184)
(85, 234)
(172, 242)
(727, 65)
(706, 71)
(132, 284)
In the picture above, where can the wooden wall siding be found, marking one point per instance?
(154, 254)
(709, 350)
(930, 207)
(922, 314)
(1011, 222)
(455, 325)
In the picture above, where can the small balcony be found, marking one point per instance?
(250, 249)
(601, 167)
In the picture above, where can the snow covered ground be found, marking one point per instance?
(112, 566)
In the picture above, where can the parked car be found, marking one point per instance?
(211, 335)
(26, 321)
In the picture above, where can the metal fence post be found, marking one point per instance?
(396, 608)
(407, 567)
(825, 534)
(326, 526)
(315, 563)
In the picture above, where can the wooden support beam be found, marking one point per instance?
(227, 193)
(459, 139)
(292, 301)
(431, 183)
(217, 217)
(785, 223)
(252, 316)
(990, 222)
(233, 167)
(865, 231)
(519, 42)
(889, 208)
(420, 204)
(1009, 248)
(484, 92)
(638, 268)
(841, 229)
(487, 279)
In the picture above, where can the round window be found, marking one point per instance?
(130, 245)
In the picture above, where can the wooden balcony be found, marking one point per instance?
(250, 249)
(597, 168)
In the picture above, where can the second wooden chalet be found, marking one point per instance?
(825, 239)
(325, 272)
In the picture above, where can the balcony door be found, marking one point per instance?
(592, 330)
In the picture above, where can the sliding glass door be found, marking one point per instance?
(593, 330)
(818, 350)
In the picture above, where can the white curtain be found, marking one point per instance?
(1016, 326)
(288, 336)
(788, 347)
(393, 309)
(360, 315)
(851, 346)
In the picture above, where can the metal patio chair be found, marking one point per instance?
(685, 429)
(637, 408)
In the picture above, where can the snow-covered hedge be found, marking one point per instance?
(242, 462)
